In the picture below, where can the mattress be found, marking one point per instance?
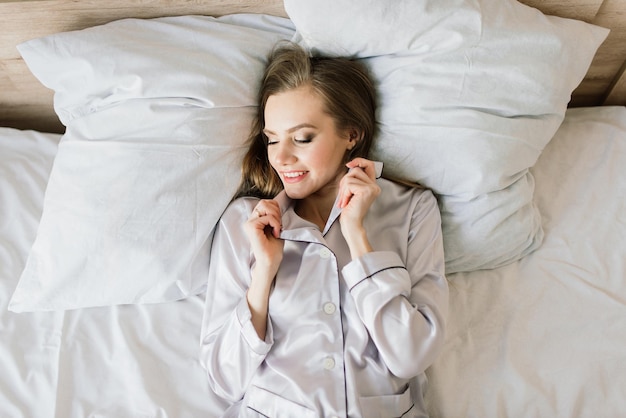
(543, 336)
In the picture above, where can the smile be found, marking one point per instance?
(294, 174)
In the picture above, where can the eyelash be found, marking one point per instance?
(305, 140)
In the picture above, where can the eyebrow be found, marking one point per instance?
(290, 130)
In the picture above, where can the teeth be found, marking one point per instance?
(294, 174)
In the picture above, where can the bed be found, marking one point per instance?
(113, 173)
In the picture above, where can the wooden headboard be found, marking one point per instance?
(26, 104)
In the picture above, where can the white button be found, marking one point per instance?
(329, 363)
(324, 252)
(329, 308)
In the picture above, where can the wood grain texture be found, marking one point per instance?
(24, 20)
(616, 93)
(25, 103)
(585, 10)
(609, 62)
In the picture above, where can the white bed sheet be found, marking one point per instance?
(118, 362)
(546, 336)
(541, 337)
(29, 344)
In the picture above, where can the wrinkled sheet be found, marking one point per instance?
(544, 336)
(124, 361)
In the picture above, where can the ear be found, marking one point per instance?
(354, 136)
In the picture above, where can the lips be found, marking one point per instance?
(293, 176)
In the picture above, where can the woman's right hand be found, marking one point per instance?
(263, 229)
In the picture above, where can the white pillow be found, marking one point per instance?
(156, 114)
(471, 91)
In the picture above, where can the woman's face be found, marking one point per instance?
(304, 146)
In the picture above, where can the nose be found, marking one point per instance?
(282, 153)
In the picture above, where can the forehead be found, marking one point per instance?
(295, 107)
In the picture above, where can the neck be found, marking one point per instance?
(316, 208)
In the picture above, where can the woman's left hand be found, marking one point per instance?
(357, 191)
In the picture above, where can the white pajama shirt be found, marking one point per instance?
(345, 338)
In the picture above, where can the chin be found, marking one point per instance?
(295, 194)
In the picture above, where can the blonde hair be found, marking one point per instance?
(346, 91)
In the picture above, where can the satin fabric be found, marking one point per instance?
(346, 338)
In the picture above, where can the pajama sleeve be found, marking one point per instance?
(403, 300)
(230, 349)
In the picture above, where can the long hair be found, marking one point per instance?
(348, 96)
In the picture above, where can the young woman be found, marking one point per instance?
(327, 295)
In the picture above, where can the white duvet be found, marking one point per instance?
(543, 337)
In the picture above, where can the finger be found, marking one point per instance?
(265, 225)
(350, 184)
(268, 206)
(366, 165)
(269, 212)
(341, 198)
(357, 184)
(355, 178)
(359, 176)
(345, 198)
(346, 191)
(275, 225)
(276, 216)
(264, 208)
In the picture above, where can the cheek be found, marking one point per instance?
(324, 160)
(336, 156)
(270, 157)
